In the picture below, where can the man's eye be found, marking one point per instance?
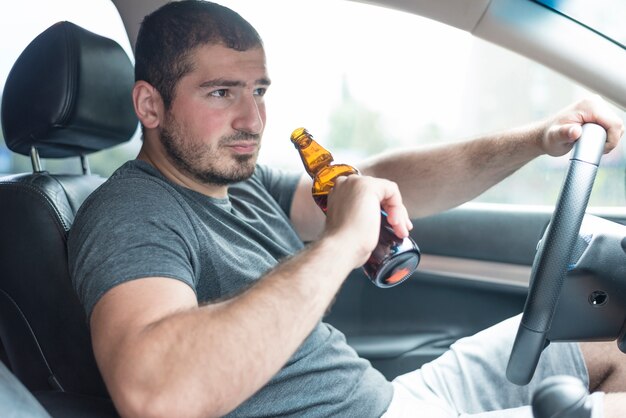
(219, 93)
(260, 91)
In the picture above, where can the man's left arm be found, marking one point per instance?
(438, 178)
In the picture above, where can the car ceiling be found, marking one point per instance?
(524, 27)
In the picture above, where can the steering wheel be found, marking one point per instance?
(554, 254)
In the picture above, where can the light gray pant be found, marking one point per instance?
(15, 400)
(469, 380)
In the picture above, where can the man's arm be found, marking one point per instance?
(163, 355)
(442, 177)
(433, 179)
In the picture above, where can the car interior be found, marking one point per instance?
(480, 263)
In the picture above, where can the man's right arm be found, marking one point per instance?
(163, 355)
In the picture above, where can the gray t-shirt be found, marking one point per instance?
(139, 224)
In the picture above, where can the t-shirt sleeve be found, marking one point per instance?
(129, 229)
(281, 184)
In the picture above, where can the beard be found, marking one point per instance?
(203, 162)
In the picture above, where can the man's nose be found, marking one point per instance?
(250, 116)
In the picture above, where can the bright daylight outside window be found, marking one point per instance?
(364, 79)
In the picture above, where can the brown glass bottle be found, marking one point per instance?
(394, 259)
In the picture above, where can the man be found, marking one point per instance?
(201, 297)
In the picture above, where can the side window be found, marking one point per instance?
(504, 90)
(364, 79)
(19, 26)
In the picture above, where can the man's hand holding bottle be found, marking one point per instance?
(354, 208)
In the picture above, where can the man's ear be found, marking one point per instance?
(148, 104)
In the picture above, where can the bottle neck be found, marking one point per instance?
(314, 157)
(317, 162)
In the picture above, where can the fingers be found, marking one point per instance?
(613, 135)
(571, 132)
(361, 193)
(397, 214)
(390, 200)
(596, 110)
(566, 127)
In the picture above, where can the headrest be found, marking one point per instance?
(68, 93)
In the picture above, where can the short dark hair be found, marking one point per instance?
(168, 36)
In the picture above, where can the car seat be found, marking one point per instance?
(67, 95)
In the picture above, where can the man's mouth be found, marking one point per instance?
(242, 147)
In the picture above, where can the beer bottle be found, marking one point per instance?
(394, 259)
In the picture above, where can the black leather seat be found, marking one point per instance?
(67, 95)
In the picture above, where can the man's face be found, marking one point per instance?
(212, 131)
